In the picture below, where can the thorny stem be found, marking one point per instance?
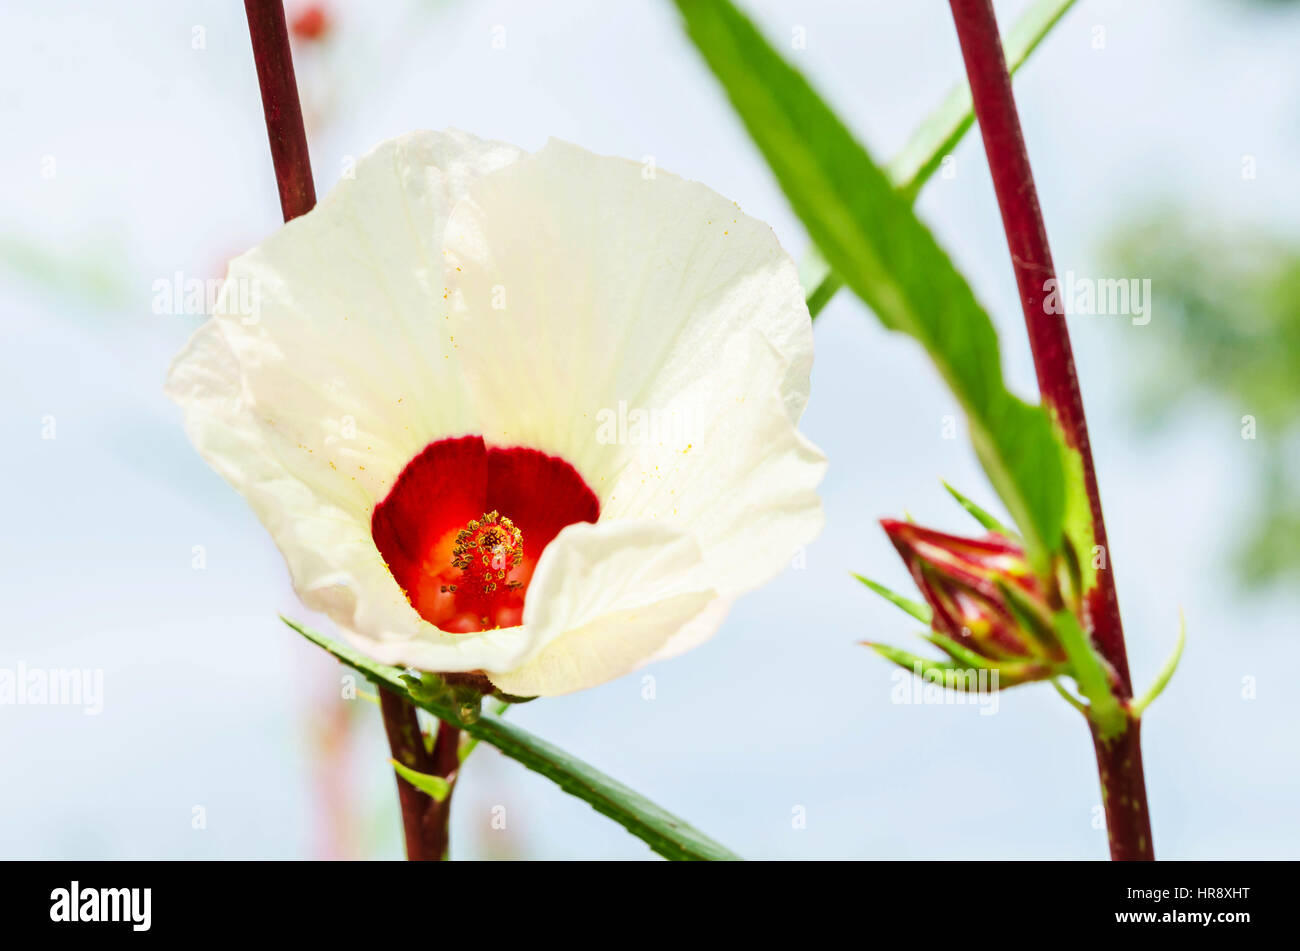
(1119, 760)
(424, 820)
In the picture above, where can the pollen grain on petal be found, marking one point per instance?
(488, 549)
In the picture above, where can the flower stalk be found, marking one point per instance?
(1119, 754)
(280, 103)
(424, 819)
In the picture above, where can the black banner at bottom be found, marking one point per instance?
(512, 901)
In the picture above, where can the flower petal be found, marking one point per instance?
(329, 365)
(604, 598)
(580, 282)
(745, 483)
(587, 285)
(348, 337)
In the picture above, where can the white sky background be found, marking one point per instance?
(162, 166)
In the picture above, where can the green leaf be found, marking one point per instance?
(981, 516)
(435, 786)
(938, 136)
(871, 238)
(662, 831)
(916, 609)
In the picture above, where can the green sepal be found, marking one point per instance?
(957, 674)
(916, 609)
(1139, 706)
(980, 515)
(1069, 697)
(470, 742)
(958, 652)
(1029, 619)
(947, 673)
(426, 687)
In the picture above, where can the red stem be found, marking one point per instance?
(423, 819)
(1049, 337)
(1124, 794)
(1058, 381)
(444, 761)
(284, 127)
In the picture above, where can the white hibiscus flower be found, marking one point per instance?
(527, 415)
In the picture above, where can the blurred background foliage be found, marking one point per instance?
(1225, 329)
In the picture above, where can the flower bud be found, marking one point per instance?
(983, 595)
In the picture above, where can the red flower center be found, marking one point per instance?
(464, 525)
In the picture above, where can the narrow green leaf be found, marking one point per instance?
(916, 609)
(938, 135)
(872, 239)
(435, 786)
(980, 515)
(1090, 674)
(662, 831)
(1166, 672)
